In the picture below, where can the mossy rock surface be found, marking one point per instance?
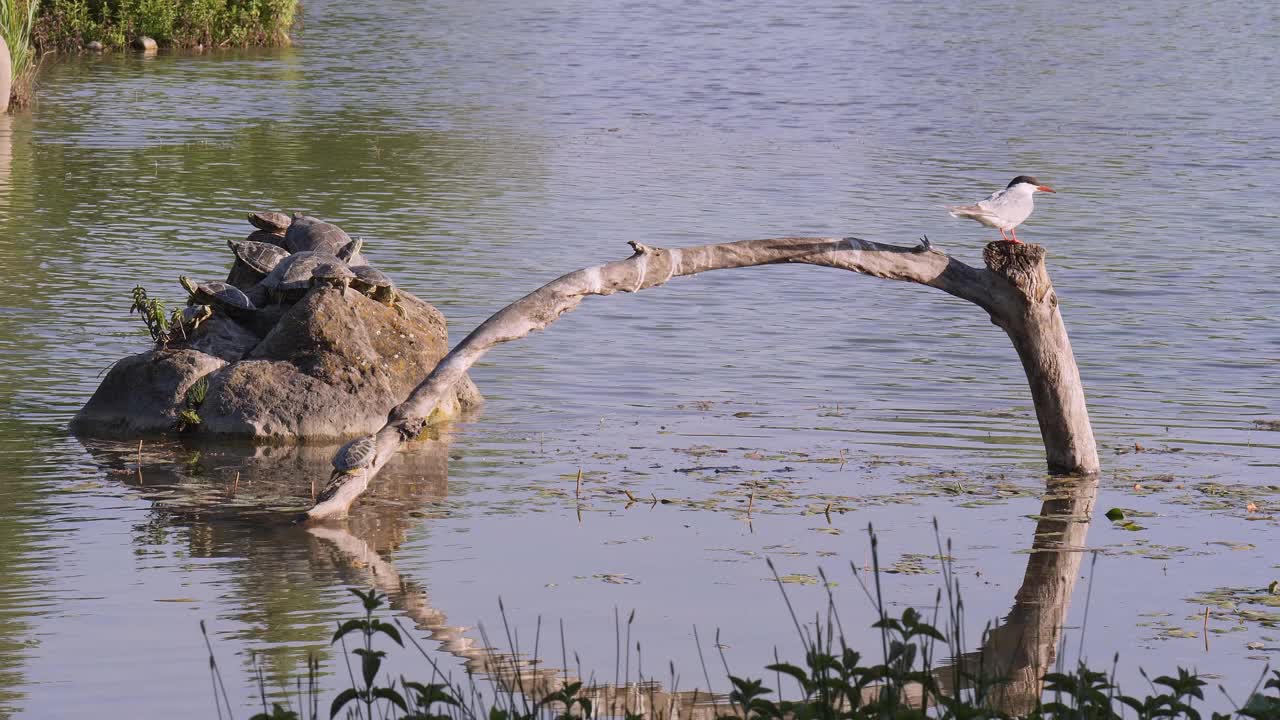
(327, 368)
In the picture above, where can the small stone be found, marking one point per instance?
(145, 44)
(93, 46)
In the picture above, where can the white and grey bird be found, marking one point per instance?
(1006, 209)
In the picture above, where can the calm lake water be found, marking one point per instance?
(482, 149)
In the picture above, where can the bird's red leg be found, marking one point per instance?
(1002, 235)
(1014, 232)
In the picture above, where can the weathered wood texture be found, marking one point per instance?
(1014, 289)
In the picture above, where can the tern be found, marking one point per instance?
(1006, 209)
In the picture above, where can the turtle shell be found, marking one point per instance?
(270, 221)
(308, 234)
(332, 270)
(294, 272)
(355, 455)
(263, 236)
(368, 278)
(223, 295)
(262, 257)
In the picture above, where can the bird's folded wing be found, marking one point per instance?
(968, 211)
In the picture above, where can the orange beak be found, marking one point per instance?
(1045, 188)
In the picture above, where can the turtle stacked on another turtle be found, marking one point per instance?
(284, 259)
(291, 277)
(271, 227)
(306, 233)
(332, 274)
(375, 284)
(254, 261)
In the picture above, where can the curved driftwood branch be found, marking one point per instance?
(1014, 289)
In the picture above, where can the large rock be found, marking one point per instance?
(327, 368)
(144, 393)
(223, 338)
(333, 367)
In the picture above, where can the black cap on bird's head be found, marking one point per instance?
(1030, 181)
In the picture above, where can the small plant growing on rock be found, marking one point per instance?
(187, 419)
(197, 392)
(152, 313)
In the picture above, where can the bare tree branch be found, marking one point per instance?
(1014, 289)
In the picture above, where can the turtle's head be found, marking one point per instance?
(350, 250)
(187, 284)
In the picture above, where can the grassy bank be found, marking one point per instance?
(17, 21)
(67, 25)
(32, 28)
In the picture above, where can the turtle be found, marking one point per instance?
(376, 285)
(290, 278)
(273, 222)
(269, 238)
(220, 295)
(186, 320)
(307, 233)
(334, 274)
(350, 253)
(357, 455)
(258, 256)
(192, 315)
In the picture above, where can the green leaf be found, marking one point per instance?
(370, 661)
(1115, 514)
(343, 698)
(434, 693)
(389, 630)
(788, 669)
(391, 696)
(371, 600)
(347, 627)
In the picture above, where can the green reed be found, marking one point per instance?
(17, 22)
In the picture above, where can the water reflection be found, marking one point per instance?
(233, 503)
(1024, 647)
(6, 160)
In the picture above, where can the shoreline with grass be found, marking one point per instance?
(38, 29)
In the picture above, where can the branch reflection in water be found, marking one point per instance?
(195, 487)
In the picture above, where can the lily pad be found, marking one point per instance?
(798, 579)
